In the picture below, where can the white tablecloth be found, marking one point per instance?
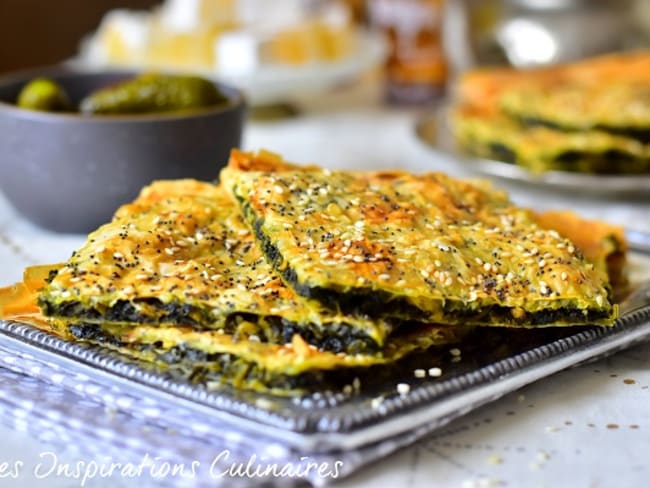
(589, 426)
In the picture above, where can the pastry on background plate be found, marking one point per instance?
(591, 116)
(540, 148)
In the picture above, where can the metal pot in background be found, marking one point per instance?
(526, 33)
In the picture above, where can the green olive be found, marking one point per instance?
(153, 93)
(44, 94)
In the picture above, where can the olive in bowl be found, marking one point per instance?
(68, 171)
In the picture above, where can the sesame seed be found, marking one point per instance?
(141, 276)
(264, 403)
(359, 224)
(541, 263)
(156, 220)
(438, 263)
(424, 273)
(403, 388)
(599, 300)
(384, 277)
(454, 351)
(118, 255)
(169, 251)
(487, 267)
(357, 259)
(419, 373)
(571, 249)
(278, 189)
(564, 276)
(435, 372)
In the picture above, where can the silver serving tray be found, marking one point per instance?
(434, 131)
(325, 423)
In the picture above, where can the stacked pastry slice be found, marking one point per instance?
(592, 116)
(415, 247)
(539, 147)
(177, 278)
(288, 278)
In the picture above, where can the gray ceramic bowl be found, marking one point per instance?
(70, 172)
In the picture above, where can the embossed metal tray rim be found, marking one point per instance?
(353, 423)
(433, 130)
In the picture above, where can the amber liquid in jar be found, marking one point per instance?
(416, 69)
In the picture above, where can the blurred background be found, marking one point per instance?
(261, 44)
(39, 32)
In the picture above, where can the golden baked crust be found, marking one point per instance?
(483, 87)
(601, 243)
